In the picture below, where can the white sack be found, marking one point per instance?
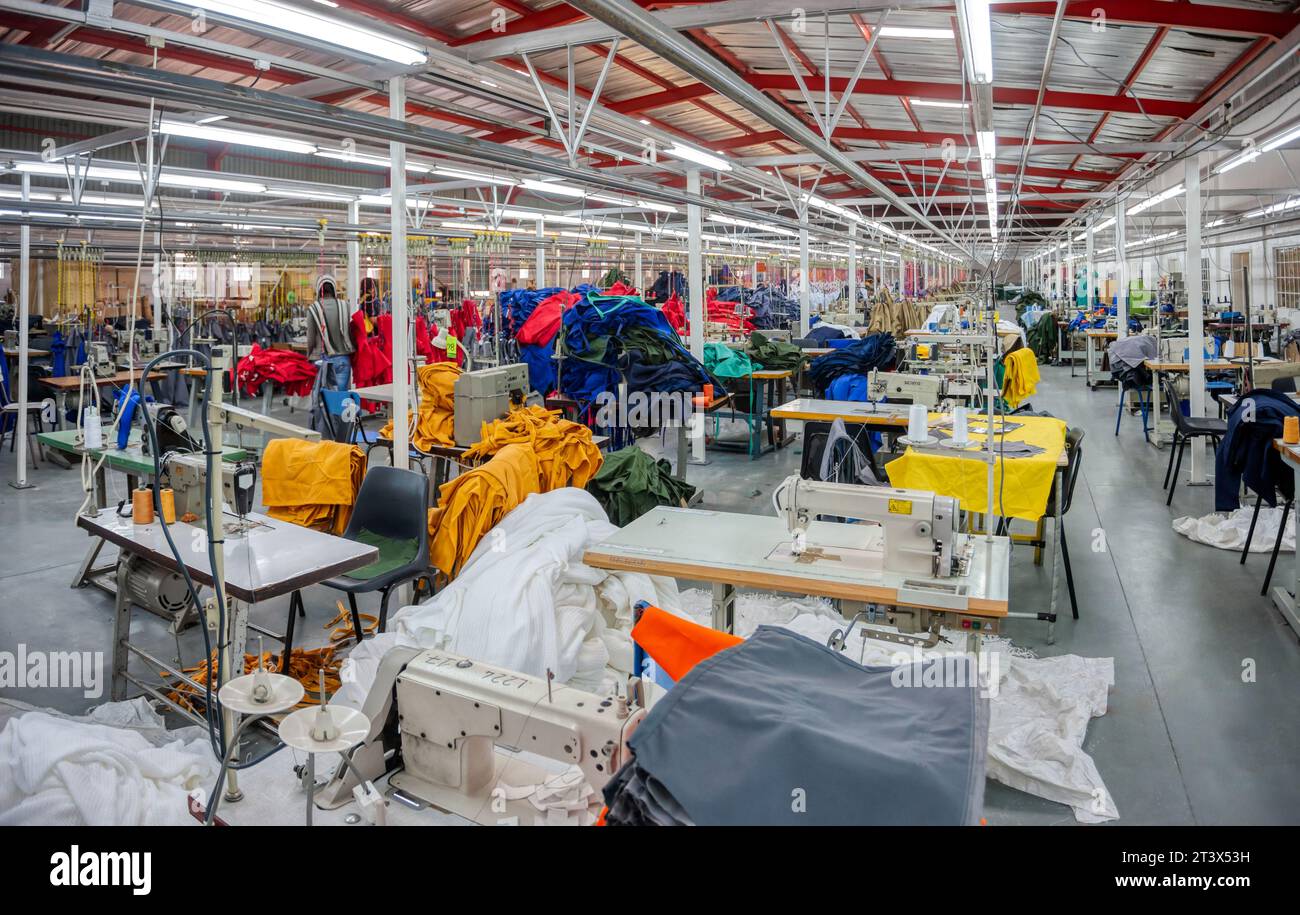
(1227, 531)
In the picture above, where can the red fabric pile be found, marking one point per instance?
(291, 372)
(675, 311)
(721, 312)
(544, 323)
(620, 288)
(465, 317)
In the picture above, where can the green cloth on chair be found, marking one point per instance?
(393, 554)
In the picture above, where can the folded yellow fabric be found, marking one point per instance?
(566, 455)
(471, 505)
(312, 484)
(1021, 485)
(1020, 380)
(435, 424)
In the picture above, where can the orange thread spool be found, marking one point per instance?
(1291, 430)
(169, 505)
(142, 506)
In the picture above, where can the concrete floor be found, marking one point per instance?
(1185, 740)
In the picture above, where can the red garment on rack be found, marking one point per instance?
(675, 312)
(424, 341)
(544, 323)
(465, 317)
(370, 363)
(291, 372)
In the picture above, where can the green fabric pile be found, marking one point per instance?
(724, 362)
(773, 354)
(631, 482)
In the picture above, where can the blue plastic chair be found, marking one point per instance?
(335, 403)
(1144, 404)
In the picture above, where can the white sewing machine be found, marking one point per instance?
(922, 389)
(919, 528)
(463, 732)
(101, 363)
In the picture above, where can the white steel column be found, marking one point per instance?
(401, 283)
(354, 255)
(880, 266)
(540, 272)
(1121, 271)
(695, 291)
(1089, 260)
(853, 271)
(24, 348)
(639, 282)
(805, 299)
(1195, 311)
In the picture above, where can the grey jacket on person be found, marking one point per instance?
(328, 322)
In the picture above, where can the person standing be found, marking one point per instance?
(329, 339)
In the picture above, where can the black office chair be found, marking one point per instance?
(815, 436)
(1186, 428)
(392, 514)
(1277, 542)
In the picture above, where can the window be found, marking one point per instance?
(1288, 277)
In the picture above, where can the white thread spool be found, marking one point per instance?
(92, 430)
(960, 435)
(918, 424)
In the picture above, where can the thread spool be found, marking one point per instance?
(918, 424)
(960, 435)
(168, 497)
(1291, 430)
(142, 506)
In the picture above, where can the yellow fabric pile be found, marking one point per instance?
(312, 484)
(1021, 378)
(566, 455)
(435, 424)
(471, 505)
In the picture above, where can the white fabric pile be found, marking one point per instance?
(1039, 707)
(117, 766)
(525, 600)
(1227, 531)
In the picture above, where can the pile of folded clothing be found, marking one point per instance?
(608, 338)
(858, 358)
(291, 372)
(631, 482)
(772, 308)
(773, 354)
(723, 362)
(518, 304)
(780, 702)
(566, 454)
(471, 505)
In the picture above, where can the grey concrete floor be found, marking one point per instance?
(1186, 738)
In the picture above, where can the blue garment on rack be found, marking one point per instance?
(859, 357)
(1247, 452)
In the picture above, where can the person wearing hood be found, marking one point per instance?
(329, 340)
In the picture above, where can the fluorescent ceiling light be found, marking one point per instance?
(988, 143)
(132, 176)
(977, 29)
(299, 194)
(657, 207)
(907, 31)
(319, 28)
(235, 137)
(1281, 140)
(933, 103)
(1156, 199)
(553, 187)
(699, 156)
(1249, 155)
(473, 176)
(1275, 208)
(345, 155)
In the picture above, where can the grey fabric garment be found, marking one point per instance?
(842, 459)
(1130, 352)
(780, 721)
(328, 327)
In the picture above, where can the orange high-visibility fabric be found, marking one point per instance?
(471, 505)
(677, 645)
(566, 455)
(435, 423)
(312, 484)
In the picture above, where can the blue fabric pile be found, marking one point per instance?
(858, 358)
(772, 308)
(518, 304)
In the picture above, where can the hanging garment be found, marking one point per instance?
(435, 422)
(424, 342)
(783, 703)
(675, 311)
(1044, 337)
(1021, 377)
(1247, 453)
(566, 455)
(472, 504)
(312, 484)
(370, 364)
(631, 482)
(465, 319)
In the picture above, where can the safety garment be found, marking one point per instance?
(565, 452)
(471, 505)
(312, 484)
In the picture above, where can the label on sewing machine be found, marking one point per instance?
(900, 506)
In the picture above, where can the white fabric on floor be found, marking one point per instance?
(115, 767)
(1039, 707)
(1227, 530)
(525, 600)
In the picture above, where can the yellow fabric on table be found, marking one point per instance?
(435, 424)
(1021, 377)
(1021, 485)
(566, 455)
(312, 484)
(472, 504)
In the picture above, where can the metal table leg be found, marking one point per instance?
(724, 607)
(121, 633)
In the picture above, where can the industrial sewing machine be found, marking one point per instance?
(922, 389)
(101, 363)
(485, 395)
(458, 734)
